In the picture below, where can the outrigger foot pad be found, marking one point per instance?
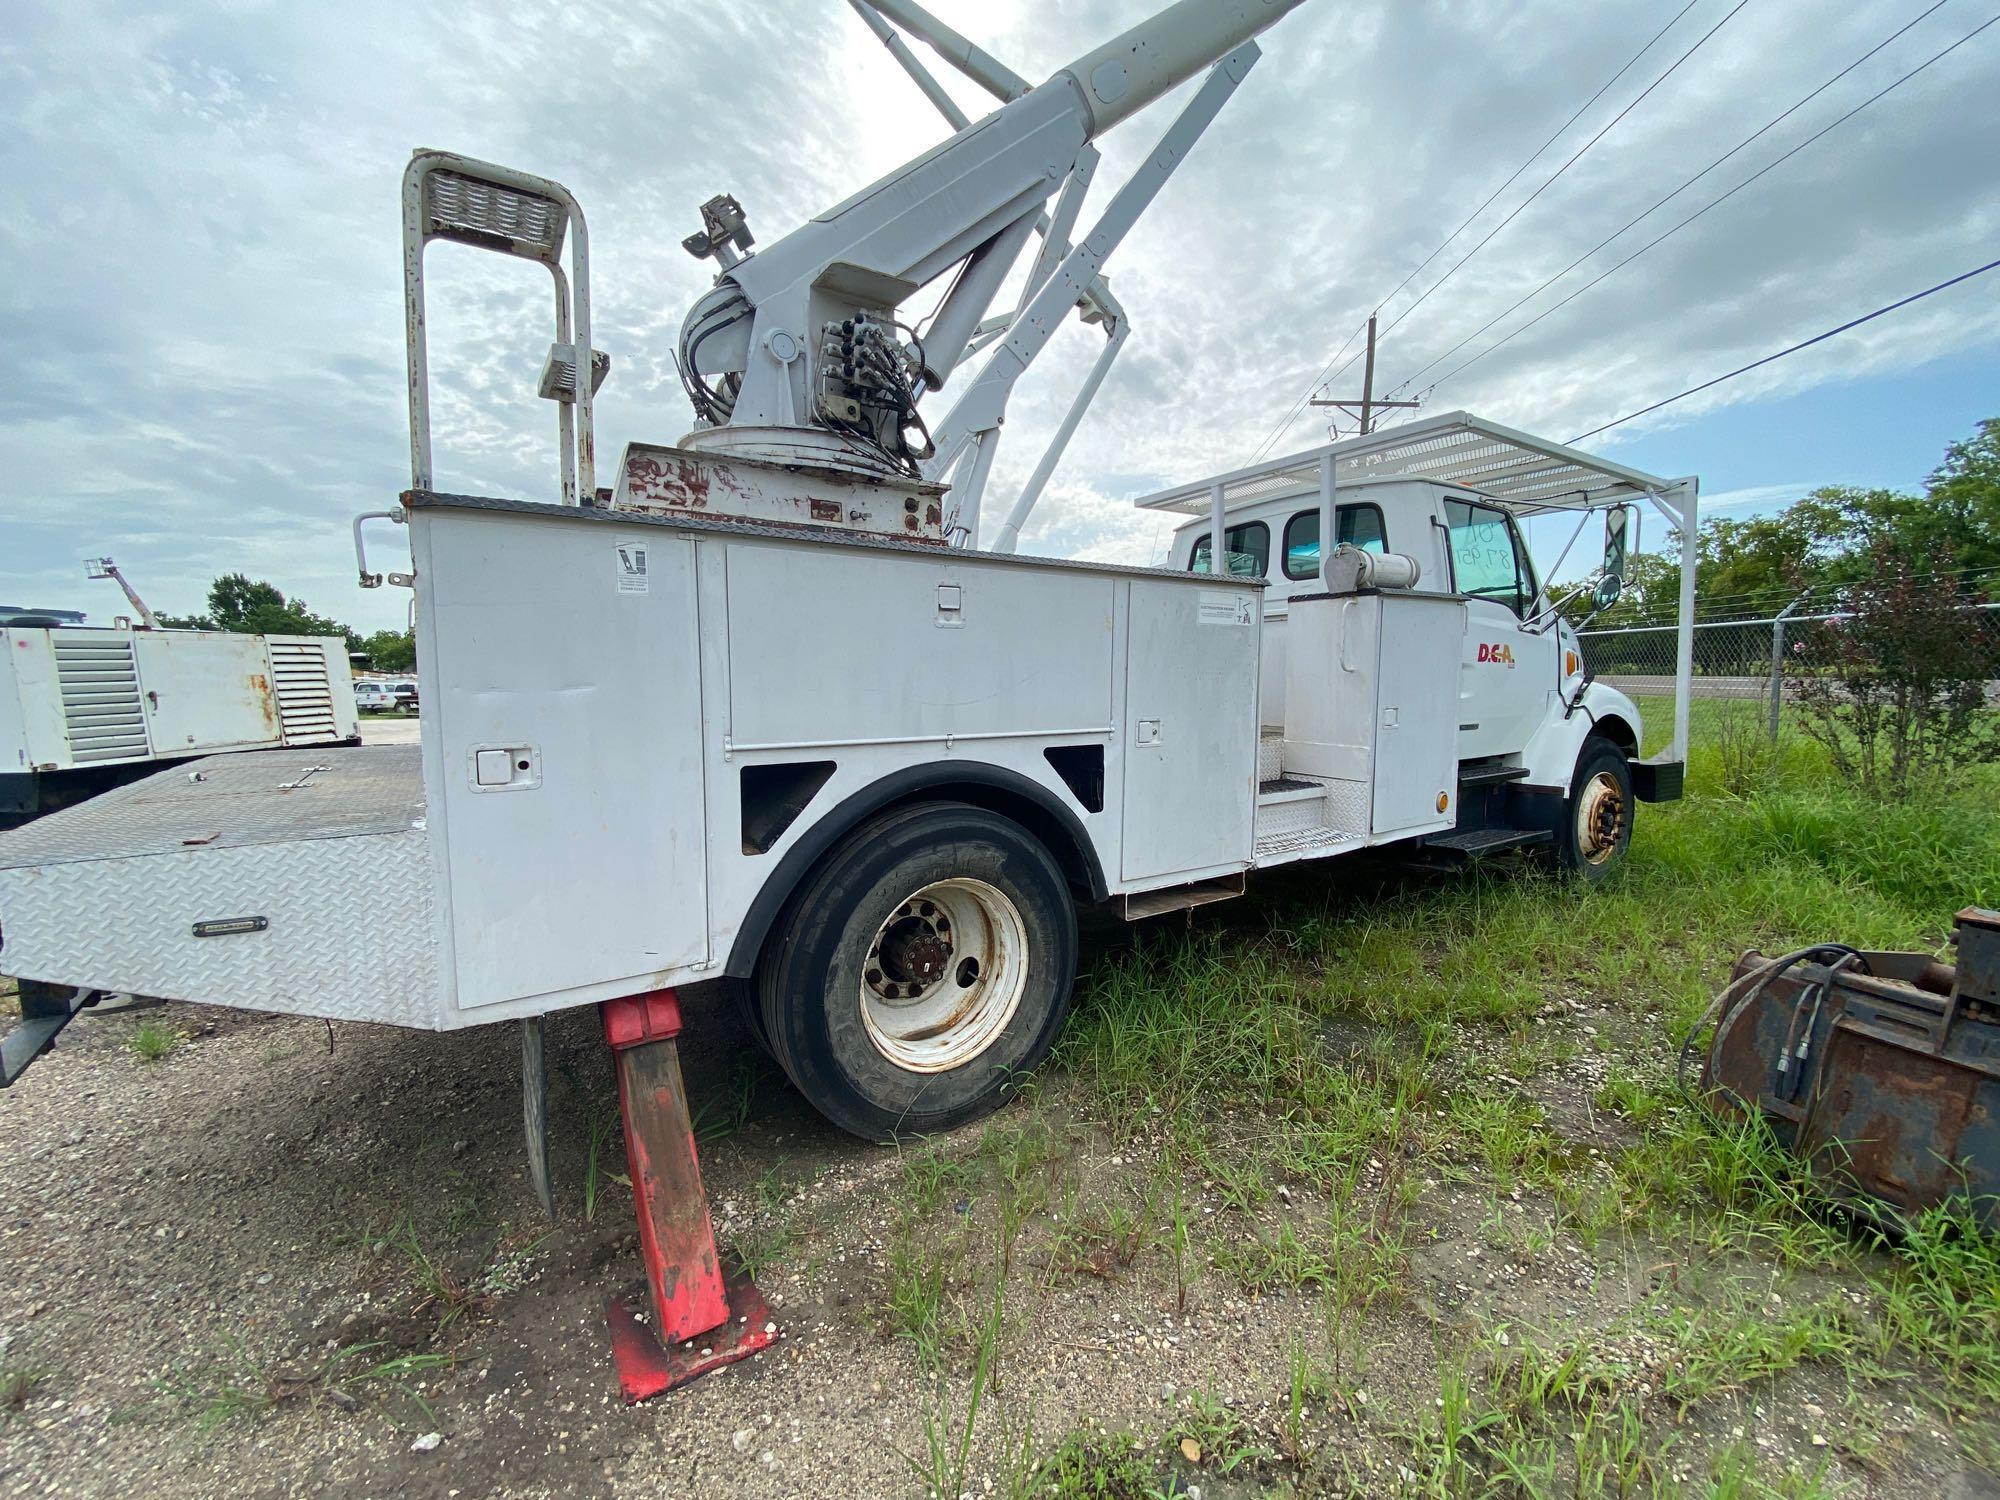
(700, 1313)
(646, 1367)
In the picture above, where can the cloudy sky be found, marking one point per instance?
(202, 312)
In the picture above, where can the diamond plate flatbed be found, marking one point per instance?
(326, 847)
(227, 801)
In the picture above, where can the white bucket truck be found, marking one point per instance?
(793, 726)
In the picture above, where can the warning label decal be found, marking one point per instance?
(1224, 607)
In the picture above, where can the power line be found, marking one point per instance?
(1553, 176)
(1630, 63)
(1299, 405)
(1292, 415)
(1818, 338)
(1713, 203)
(1660, 203)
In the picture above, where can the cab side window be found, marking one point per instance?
(1355, 525)
(1246, 550)
(1488, 560)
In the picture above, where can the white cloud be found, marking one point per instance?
(203, 312)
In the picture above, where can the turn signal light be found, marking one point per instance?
(1570, 664)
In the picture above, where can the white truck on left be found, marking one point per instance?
(85, 709)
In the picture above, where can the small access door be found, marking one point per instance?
(1416, 758)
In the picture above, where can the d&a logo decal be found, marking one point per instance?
(1497, 652)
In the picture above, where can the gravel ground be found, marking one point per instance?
(209, 1252)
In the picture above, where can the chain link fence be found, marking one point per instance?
(1764, 666)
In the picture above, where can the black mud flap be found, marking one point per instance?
(45, 1010)
(1658, 780)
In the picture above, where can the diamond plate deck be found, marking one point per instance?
(106, 895)
(226, 801)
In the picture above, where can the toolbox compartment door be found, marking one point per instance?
(1190, 729)
(562, 746)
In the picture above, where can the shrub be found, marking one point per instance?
(1895, 686)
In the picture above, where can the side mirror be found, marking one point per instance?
(1617, 535)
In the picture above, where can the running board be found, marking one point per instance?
(1489, 775)
(1288, 789)
(1180, 897)
(1477, 843)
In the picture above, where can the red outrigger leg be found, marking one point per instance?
(704, 1314)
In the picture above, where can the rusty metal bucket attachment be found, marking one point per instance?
(1882, 1070)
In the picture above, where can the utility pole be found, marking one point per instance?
(1368, 404)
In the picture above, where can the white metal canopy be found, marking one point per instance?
(1521, 472)
(1514, 470)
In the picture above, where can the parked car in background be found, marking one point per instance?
(379, 696)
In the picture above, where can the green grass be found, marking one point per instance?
(932, 1178)
(1941, 1298)
(1222, 1441)
(151, 1040)
(1358, 1033)
(1602, 1411)
(1092, 1465)
(921, 1296)
(226, 1383)
(450, 1286)
(18, 1383)
(945, 1464)
(1310, 1086)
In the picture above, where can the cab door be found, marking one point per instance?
(1507, 673)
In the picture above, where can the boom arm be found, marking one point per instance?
(796, 352)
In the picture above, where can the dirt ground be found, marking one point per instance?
(287, 1259)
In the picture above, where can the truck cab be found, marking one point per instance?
(1518, 655)
(1424, 675)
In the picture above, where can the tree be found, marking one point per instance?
(1964, 492)
(235, 603)
(391, 651)
(1831, 539)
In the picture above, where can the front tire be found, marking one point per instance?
(1596, 828)
(921, 971)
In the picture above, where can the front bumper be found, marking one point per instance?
(1658, 779)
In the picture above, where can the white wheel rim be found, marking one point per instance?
(1600, 818)
(944, 975)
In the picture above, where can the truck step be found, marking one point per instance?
(1477, 842)
(1181, 897)
(1287, 789)
(45, 1010)
(1489, 775)
(1290, 804)
(1303, 843)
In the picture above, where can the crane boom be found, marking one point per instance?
(797, 352)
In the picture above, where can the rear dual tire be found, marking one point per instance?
(921, 971)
